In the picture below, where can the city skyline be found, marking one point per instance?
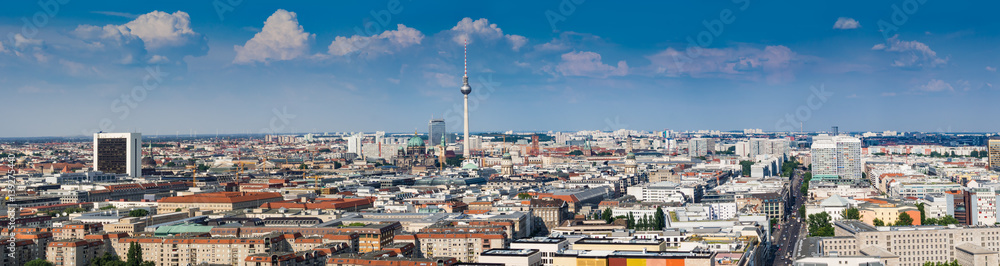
(279, 68)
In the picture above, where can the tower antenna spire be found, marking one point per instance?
(465, 55)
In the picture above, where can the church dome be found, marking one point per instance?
(630, 156)
(415, 141)
(506, 155)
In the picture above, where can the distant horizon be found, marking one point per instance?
(424, 133)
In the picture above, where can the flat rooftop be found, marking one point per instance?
(510, 252)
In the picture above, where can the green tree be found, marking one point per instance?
(660, 220)
(923, 216)
(904, 219)
(929, 221)
(946, 220)
(802, 211)
(38, 262)
(108, 207)
(178, 210)
(336, 165)
(107, 260)
(138, 213)
(852, 214)
(819, 224)
(202, 168)
(523, 196)
(878, 222)
(576, 153)
(630, 221)
(303, 166)
(607, 215)
(746, 167)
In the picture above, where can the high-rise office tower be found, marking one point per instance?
(993, 147)
(435, 130)
(836, 157)
(118, 153)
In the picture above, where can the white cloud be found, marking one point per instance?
(936, 85)
(911, 53)
(846, 24)
(772, 62)
(442, 79)
(168, 35)
(588, 64)
(988, 68)
(159, 29)
(282, 38)
(23, 43)
(388, 42)
(470, 30)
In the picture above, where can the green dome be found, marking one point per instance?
(469, 165)
(506, 155)
(630, 156)
(415, 142)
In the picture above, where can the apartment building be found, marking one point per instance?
(192, 250)
(462, 246)
(914, 245)
(74, 252)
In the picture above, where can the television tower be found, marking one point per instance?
(466, 89)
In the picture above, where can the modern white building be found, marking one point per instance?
(836, 157)
(512, 257)
(547, 246)
(983, 206)
(118, 153)
(700, 146)
(354, 143)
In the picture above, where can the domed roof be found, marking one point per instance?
(506, 155)
(415, 141)
(470, 165)
(630, 156)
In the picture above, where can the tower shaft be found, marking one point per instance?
(465, 143)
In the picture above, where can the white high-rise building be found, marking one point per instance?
(354, 143)
(700, 146)
(836, 156)
(983, 203)
(760, 146)
(119, 153)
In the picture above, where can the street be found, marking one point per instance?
(786, 238)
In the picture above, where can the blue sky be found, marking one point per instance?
(246, 66)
